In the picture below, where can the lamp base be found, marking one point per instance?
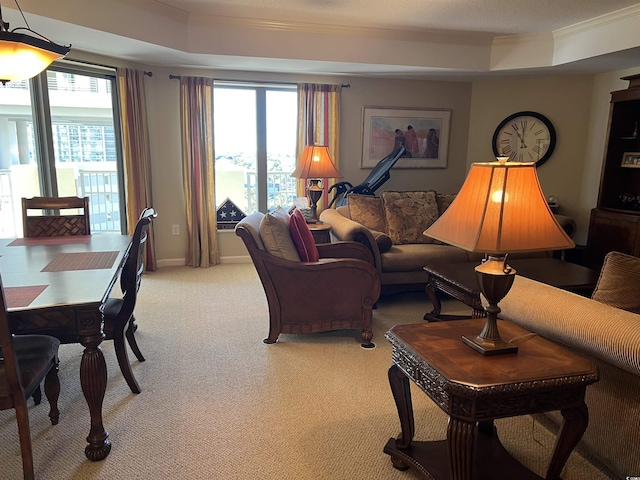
(495, 278)
(314, 192)
(489, 347)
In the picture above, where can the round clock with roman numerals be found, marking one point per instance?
(525, 137)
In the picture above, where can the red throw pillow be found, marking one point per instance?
(303, 238)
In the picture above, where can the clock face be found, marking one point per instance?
(525, 137)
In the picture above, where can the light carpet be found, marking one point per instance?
(217, 403)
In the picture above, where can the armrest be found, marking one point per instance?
(335, 278)
(345, 229)
(585, 325)
(345, 250)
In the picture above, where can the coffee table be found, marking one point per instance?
(474, 390)
(459, 281)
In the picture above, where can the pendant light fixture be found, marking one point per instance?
(24, 56)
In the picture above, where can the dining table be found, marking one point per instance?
(56, 286)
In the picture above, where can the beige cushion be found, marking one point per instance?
(276, 236)
(367, 210)
(409, 214)
(618, 282)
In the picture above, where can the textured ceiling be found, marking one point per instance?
(400, 38)
(495, 16)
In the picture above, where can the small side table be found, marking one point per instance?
(320, 232)
(474, 390)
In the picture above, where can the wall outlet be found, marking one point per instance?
(175, 229)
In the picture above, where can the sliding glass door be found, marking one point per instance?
(59, 136)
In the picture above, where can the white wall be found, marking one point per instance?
(565, 101)
(164, 124)
(576, 104)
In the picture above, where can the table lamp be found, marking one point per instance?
(500, 209)
(314, 165)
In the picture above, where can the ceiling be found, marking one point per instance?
(403, 38)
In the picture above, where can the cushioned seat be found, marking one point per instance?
(414, 256)
(335, 292)
(25, 361)
(392, 226)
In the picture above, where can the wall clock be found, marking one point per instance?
(525, 137)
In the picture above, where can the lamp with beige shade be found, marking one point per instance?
(500, 209)
(314, 165)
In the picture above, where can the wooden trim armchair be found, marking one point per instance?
(337, 292)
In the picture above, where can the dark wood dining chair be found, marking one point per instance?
(119, 321)
(51, 221)
(25, 361)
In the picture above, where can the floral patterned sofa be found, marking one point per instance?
(392, 226)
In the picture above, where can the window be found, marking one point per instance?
(255, 145)
(60, 136)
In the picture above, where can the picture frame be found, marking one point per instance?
(630, 160)
(385, 128)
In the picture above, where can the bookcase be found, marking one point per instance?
(615, 222)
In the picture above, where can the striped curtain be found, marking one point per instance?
(196, 122)
(319, 124)
(137, 157)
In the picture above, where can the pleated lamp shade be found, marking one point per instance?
(500, 209)
(316, 162)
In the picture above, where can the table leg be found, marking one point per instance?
(460, 445)
(93, 379)
(574, 424)
(431, 293)
(401, 391)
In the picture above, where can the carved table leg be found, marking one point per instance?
(574, 424)
(93, 379)
(401, 391)
(460, 445)
(431, 293)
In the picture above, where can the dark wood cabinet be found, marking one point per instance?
(615, 222)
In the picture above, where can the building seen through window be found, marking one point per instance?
(70, 150)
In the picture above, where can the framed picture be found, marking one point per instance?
(423, 132)
(631, 159)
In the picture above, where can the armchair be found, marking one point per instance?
(336, 292)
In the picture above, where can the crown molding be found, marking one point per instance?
(594, 23)
(312, 28)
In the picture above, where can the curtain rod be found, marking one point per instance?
(178, 77)
(94, 64)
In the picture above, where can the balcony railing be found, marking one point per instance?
(101, 186)
(281, 190)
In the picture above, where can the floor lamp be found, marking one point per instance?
(500, 209)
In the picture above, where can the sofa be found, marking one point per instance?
(606, 329)
(392, 227)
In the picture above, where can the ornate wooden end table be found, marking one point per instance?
(474, 390)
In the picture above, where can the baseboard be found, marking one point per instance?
(236, 259)
(179, 262)
(171, 262)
